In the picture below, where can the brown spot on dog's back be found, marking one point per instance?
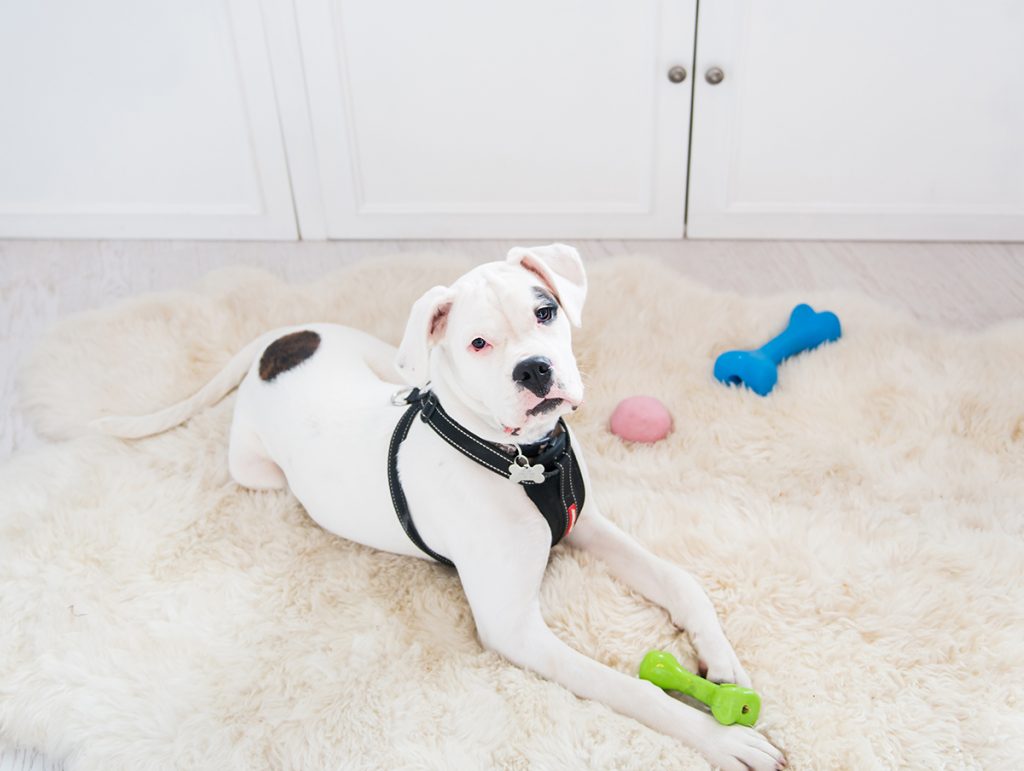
(287, 352)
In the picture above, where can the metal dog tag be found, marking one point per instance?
(521, 471)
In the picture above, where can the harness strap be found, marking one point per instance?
(397, 495)
(559, 496)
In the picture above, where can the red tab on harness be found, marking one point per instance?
(570, 517)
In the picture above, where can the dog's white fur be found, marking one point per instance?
(323, 429)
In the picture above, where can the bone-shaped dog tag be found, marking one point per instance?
(521, 471)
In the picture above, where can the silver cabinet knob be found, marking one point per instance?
(677, 74)
(714, 76)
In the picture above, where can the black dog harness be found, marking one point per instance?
(548, 471)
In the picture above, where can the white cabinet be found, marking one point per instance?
(468, 119)
(877, 119)
(121, 118)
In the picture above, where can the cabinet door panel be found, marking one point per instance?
(875, 119)
(148, 120)
(466, 119)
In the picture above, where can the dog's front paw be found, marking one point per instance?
(738, 748)
(717, 661)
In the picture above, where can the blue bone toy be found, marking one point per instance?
(758, 370)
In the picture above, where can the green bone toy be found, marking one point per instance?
(729, 703)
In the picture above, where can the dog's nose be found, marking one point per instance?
(535, 374)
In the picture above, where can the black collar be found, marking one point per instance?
(499, 458)
(546, 470)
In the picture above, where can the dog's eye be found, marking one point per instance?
(545, 313)
(479, 343)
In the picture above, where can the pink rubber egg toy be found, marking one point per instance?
(641, 419)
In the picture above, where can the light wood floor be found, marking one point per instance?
(965, 286)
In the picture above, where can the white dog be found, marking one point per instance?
(471, 453)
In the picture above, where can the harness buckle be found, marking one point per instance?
(403, 397)
(427, 405)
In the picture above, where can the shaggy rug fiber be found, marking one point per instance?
(859, 531)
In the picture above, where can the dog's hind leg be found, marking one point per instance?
(502, 586)
(248, 461)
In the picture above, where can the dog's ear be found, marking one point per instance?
(427, 321)
(561, 269)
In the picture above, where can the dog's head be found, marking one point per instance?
(499, 340)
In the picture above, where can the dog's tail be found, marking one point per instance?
(135, 427)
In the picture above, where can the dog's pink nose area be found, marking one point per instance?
(641, 419)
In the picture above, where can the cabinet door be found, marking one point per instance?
(458, 118)
(878, 119)
(152, 119)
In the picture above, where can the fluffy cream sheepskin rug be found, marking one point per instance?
(859, 530)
